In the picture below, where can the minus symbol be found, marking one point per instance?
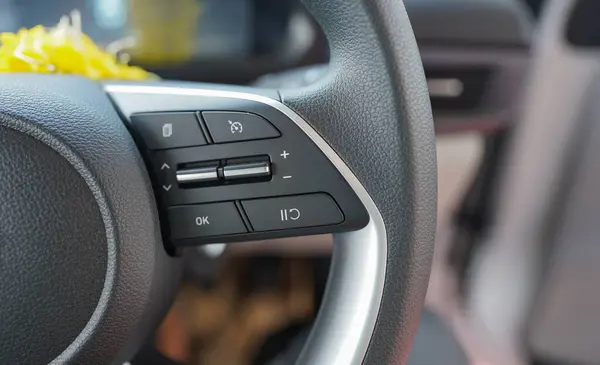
(287, 177)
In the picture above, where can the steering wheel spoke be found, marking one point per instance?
(308, 190)
(236, 166)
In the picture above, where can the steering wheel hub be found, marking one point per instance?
(80, 244)
(54, 245)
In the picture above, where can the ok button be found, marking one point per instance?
(205, 220)
(292, 212)
(202, 221)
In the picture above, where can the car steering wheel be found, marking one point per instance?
(101, 185)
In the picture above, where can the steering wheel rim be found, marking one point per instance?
(393, 71)
(371, 118)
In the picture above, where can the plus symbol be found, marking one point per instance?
(284, 154)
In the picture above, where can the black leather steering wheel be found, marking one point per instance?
(92, 219)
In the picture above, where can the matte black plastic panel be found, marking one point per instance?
(491, 23)
(583, 28)
(297, 166)
(234, 126)
(292, 212)
(168, 130)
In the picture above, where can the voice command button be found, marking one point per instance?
(168, 130)
(298, 211)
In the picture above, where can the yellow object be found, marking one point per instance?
(166, 31)
(63, 49)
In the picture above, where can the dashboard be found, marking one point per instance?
(475, 52)
(166, 32)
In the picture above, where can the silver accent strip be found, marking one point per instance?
(247, 170)
(198, 175)
(346, 319)
(445, 88)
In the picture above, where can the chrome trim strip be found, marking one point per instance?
(445, 88)
(197, 175)
(247, 170)
(346, 319)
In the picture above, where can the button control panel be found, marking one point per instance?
(270, 214)
(242, 172)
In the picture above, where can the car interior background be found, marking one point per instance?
(254, 302)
